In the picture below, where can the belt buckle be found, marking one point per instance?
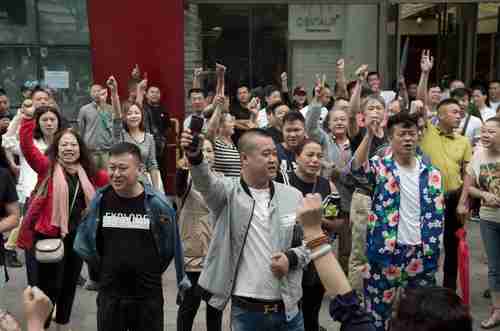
(271, 308)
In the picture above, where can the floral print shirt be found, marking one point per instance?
(383, 218)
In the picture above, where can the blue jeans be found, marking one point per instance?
(244, 320)
(490, 233)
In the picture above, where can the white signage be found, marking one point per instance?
(57, 79)
(316, 22)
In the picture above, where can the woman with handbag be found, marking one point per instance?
(47, 124)
(67, 178)
(484, 170)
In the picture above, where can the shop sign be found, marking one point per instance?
(316, 22)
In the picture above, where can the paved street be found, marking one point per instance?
(85, 309)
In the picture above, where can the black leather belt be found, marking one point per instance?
(259, 306)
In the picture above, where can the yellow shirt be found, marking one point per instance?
(448, 153)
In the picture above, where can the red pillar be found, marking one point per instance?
(151, 34)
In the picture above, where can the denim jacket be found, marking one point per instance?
(163, 227)
(383, 219)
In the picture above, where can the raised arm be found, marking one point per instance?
(197, 77)
(313, 126)
(362, 153)
(141, 91)
(355, 102)
(403, 93)
(340, 80)
(213, 125)
(345, 306)
(426, 64)
(10, 140)
(115, 98)
(211, 187)
(36, 159)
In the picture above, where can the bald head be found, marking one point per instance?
(249, 142)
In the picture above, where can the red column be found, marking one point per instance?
(149, 33)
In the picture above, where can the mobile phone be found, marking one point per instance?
(196, 126)
(413, 107)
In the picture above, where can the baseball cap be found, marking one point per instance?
(299, 90)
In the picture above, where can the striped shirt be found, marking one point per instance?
(227, 158)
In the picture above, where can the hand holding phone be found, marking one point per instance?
(195, 126)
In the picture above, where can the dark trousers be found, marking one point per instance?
(189, 307)
(451, 225)
(93, 273)
(312, 298)
(31, 267)
(58, 280)
(129, 314)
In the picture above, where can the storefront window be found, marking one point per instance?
(53, 52)
(17, 22)
(17, 67)
(258, 42)
(63, 22)
(68, 73)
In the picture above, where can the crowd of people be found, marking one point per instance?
(268, 185)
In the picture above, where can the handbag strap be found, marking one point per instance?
(74, 197)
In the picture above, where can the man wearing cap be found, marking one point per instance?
(299, 98)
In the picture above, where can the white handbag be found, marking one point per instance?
(49, 250)
(52, 250)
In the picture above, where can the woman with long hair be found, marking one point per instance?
(196, 233)
(67, 178)
(128, 126)
(220, 130)
(48, 123)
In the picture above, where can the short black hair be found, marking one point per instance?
(293, 116)
(494, 119)
(373, 73)
(246, 144)
(2, 91)
(447, 102)
(429, 309)
(272, 108)
(270, 89)
(38, 89)
(403, 118)
(365, 92)
(460, 93)
(196, 90)
(126, 148)
(480, 88)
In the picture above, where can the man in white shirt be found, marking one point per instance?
(324, 99)
(405, 224)
(494, 92)
(470, 126)
(273, 96)
(479, 95)
(198, 104)
(256, 256)
(375, 83)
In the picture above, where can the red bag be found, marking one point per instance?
(463, 265)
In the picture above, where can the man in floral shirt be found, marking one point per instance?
(405, 224)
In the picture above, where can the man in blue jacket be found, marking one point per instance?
(130, 236)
